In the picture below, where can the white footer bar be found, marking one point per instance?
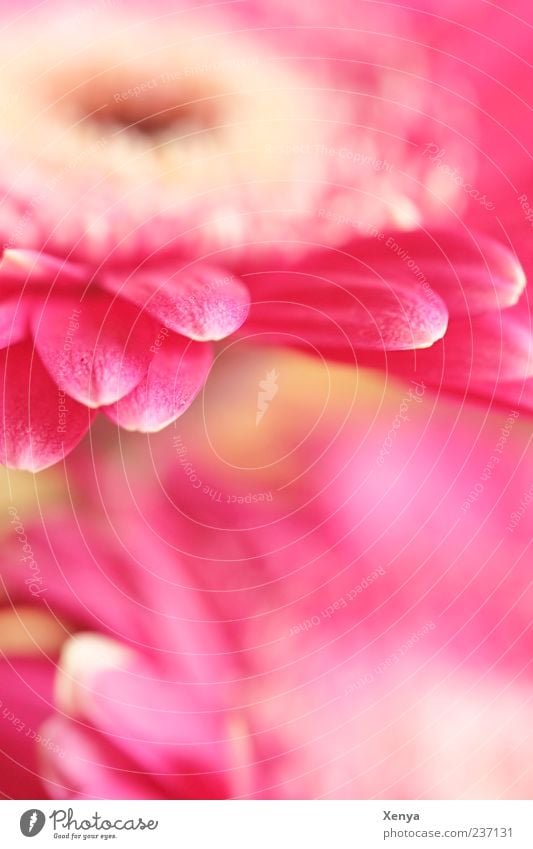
(269, 824)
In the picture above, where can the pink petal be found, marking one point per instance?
(176, 374)
(39, 425)
(96, 347)
(336, 311)
(202, 303)
(477, 355)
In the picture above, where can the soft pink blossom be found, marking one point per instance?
(363, 633)
(136, 227)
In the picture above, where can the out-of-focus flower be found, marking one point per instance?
(153, 192)
(130, 731)
(135, 713)
(359, 624)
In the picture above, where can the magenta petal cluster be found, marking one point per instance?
(134, 343)
(75, 342)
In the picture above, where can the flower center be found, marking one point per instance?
(153, 106)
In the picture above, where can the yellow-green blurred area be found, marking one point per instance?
(222, 420)
(220, 427)
(310, 398)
